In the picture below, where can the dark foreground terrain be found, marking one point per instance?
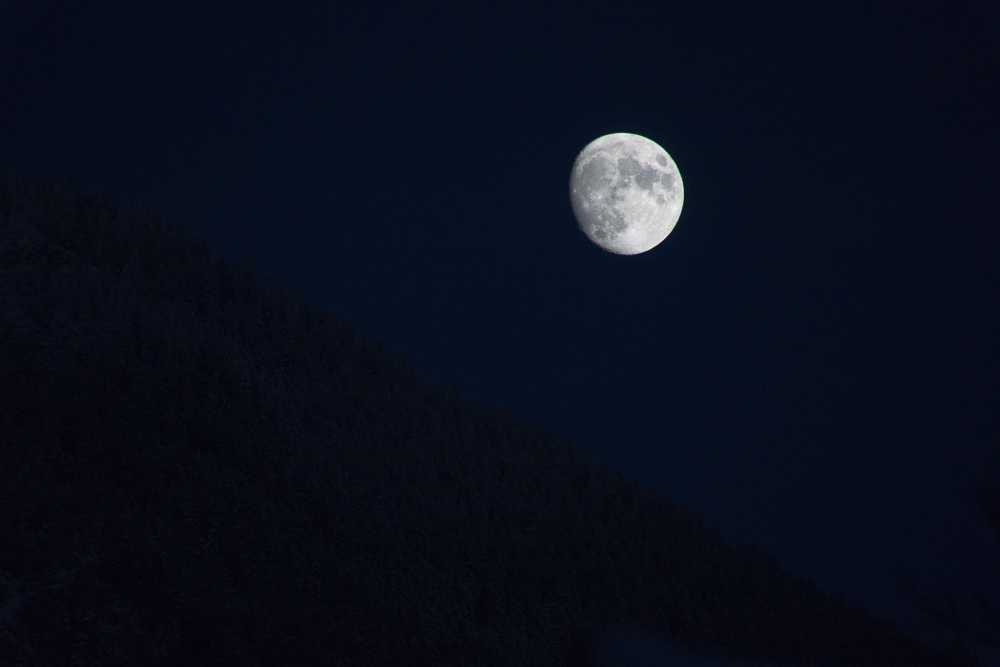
(200, 469)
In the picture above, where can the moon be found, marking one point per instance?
(626, 193)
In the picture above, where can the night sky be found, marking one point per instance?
(810, 360)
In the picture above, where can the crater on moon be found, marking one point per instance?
(626, 193)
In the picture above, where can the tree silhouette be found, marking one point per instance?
(199, 468)
(944, 609)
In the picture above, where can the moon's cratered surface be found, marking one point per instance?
(626, 193)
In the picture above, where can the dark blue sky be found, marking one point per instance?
(811, 359)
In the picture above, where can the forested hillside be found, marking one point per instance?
(198, 468)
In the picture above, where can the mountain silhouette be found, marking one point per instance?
(199, 468)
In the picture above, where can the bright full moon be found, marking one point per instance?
(626, 193)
